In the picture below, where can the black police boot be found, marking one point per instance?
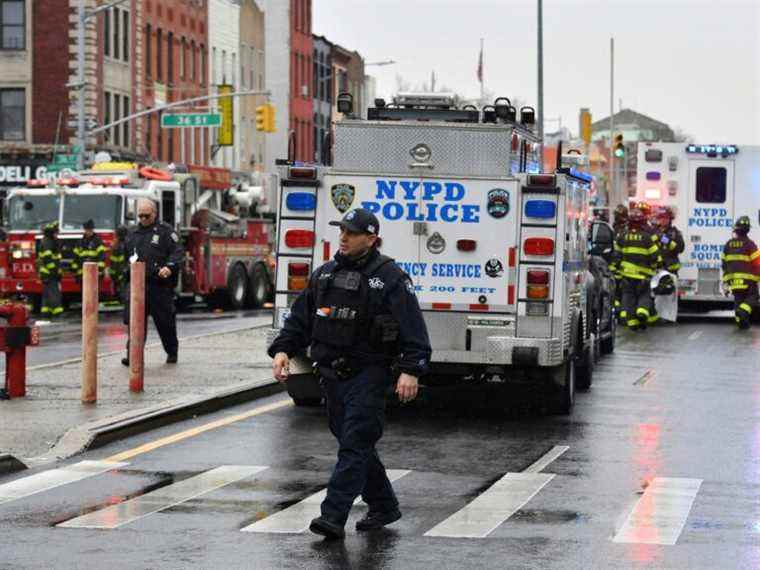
(171, 359)
(378, 519)
(326, 528)
(125, 361)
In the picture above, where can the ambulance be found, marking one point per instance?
(496, 250)
(708, 187)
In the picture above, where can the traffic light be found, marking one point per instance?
(265, 118)
(586, 126)
(618, 148)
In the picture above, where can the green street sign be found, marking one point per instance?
(189, 120)
(65, 160)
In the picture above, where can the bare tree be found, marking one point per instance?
(679, 135)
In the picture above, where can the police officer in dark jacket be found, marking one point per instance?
(359, 315)
(157, 244)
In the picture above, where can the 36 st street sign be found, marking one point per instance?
(189, 120)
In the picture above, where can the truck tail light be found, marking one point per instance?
(298, 276)
(548, 180)
(22, 249)
(299, 238)
(303, 172)
(539, 246)
(538, 278)
(467, 245)
(301, 202)
(538, 291)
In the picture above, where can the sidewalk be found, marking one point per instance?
(220, 368)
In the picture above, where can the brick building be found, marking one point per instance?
(252, 76)
(348, 77)
(322, 91)
(301, 103)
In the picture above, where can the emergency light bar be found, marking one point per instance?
(723, 150)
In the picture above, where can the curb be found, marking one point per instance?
(9, 464)
(102, 432)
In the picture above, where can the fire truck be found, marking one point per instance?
(227, 253)
(708, 187)
(497, 251)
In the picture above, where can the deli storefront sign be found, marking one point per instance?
(18, 174)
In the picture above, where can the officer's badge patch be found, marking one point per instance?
(376, 283)
(410, 287)
(343, 196)
(436, 244)
(498, 203)
(154, 240)
(494, 268)
(175, 237)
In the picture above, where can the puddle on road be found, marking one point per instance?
(549, 517)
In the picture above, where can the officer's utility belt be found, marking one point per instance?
(340, 369)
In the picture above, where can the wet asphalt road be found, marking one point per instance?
(678, 406)
(62, 340)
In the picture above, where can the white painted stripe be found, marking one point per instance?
(489, 510)
(53, 478)
(695, 335)
(296, 518)
(164, 498)
(548, 458)
(661, 512)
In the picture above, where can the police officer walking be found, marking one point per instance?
(157, 245)
(89, 249)
(638, 257)
(740, 261)
(359, 315)
(118, 265)
(49, 270)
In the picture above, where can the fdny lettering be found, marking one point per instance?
(710, 218)
(441, 201)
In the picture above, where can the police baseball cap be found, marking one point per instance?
(360, 221)
(89, 225)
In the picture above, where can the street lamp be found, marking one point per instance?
(83, 14)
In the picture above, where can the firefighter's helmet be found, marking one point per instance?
(636, 215)
(742, 224)
(645, 208)
(50, 229)
(621, 213)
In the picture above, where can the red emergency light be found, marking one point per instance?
(298, 239)
(467, 245)
(539, 246)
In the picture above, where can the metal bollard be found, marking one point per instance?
(14, 338)
(136, 326)
(90, 333)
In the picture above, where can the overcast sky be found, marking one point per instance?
(693, 64)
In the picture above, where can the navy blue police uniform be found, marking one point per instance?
(157, 246)
(359, 317)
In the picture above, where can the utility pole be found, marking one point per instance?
(541, 83)
(83, 14)
(611, 190)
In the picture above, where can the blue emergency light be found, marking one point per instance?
(653, 175)
(543, 209)
(715, 149)
(301, 201)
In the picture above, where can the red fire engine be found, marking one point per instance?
(227, 251)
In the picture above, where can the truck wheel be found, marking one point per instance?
(258, 287)
(608, 343)
(584, 371)
(562, 388)
(237, 287)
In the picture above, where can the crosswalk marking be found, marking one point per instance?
(164, 498)
(490, 509)
(296, 518)
(550, 456)
(53, 478)
(695, 335)
(661, 512)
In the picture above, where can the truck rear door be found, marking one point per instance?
(467, 235)
(711, 215)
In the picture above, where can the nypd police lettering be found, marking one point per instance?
(710, 218)
(400, 199)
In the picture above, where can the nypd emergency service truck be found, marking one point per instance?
(708, 186)
(497, 252)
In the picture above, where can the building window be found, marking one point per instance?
(711, 185)
(107, 34)
(13, 24)
(107, 110)
(193, 61)
(204, 65)
(12, 114)
(182, 60)
(125, 37)
(159, 63)
(116, 32)
(116, 116)
(125, 113)
(170, 58)
(148, 51)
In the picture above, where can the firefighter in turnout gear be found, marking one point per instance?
(118, 265)
(89, 249)
(619, 224)
(671, 239)
(359, 315)
(49, 270)
(638, 257)
(741, 272)
(157, 245)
